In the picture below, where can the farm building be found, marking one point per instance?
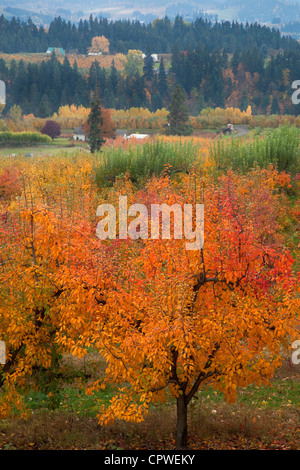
(2, 92)
(57, 50)
(137, 136)
(79, 134)
(154, 57)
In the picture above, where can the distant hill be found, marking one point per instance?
(262, 11)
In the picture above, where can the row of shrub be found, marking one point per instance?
(18, 139)
(274, 121)
(279, 147)
(71, 116)
(143, 161)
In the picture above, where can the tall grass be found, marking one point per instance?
(143, 161)
(279, 147)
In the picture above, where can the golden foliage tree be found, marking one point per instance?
(99, 44)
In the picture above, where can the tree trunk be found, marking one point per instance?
(181, 430)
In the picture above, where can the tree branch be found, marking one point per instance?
(202, 376)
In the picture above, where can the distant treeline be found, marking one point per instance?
(208, 80)
(253, 75)
(161, 34)
(41, 88)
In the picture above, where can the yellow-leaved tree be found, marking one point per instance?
(99, 44)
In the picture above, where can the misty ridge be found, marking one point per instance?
(278, 12)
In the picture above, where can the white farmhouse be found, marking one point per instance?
(79, 134)
(137, 136)
(154, 57)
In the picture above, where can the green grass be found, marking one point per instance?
(71, 399)
(281, 393)
(49, 148)
(38, 150)
(262, 418)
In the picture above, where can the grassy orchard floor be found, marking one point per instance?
(262, 418)
(63, 144)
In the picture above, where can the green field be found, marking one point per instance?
(60, 144)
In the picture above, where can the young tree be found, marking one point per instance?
(45, 107)
(45, 295)
(15, 113)
(133, 63)
(179, 115)
(179, 320)
(95, 123)
(51, 128)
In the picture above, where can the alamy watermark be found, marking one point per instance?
(296, 354)
(188, 222)
(2, 353)
(2, 92)
(296, 86)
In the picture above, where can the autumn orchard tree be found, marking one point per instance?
(50, 276)
(167, 320)
(179, 320)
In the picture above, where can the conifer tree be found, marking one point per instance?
(45, 107)
(179, 115)
(162, 81)
(95, 122)
(113, 77)
(148, 65)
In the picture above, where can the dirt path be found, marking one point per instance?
(242, 130)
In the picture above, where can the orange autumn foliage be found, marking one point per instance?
(107, 127)
(47, 291)
(167, 320)
(179, 319)
(82, 60)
